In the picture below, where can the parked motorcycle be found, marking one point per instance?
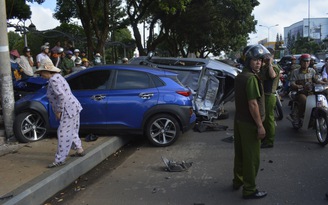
(316, 113)
(278, 113)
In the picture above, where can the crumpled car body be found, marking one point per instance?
(211, 81)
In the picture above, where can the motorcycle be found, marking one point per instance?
(278, 113)
(316, 112)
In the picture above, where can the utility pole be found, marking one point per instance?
(6, 83)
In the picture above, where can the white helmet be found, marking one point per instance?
(76, 50)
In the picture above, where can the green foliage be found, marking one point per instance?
(173, 6)
(98, 18)
(303, 45)
(209, 26)
(13, 39)
(17, 9)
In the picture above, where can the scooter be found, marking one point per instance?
(316, 113)
(278, 113)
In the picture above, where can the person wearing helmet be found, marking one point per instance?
(58, 58)
(26, 63)
(97, 59)
(294, 65)
(76, 54)
(125, 60)
(43, 55)
(78, 67)
(287, 70)
(269, 75)
(324, 71)
(14, 64)
(67, 63)
(248, 122)
(301, 81)
(313, 63)
(85, 62)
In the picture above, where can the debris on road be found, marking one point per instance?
(173, 166)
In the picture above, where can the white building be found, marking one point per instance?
(318, 29)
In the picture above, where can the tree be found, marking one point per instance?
(201, 26)
(14, 39)
(210, 26)
(97, 18)
(123, 46)
(19, 9)
(153, 12)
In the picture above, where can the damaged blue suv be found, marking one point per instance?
(116, 99)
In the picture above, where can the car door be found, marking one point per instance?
(91, 89)
(132, 94)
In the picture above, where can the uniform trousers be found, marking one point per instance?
(68, 136)
(269, 122)
(247, 156)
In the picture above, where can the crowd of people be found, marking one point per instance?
(69, 60)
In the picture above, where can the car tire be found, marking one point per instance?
(29, 127)
(162, 130)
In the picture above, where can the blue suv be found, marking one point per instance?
(116, 99)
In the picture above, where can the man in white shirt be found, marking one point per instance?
(43, 55)
(76, 55)
(26, 63)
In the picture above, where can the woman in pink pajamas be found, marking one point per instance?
(67, 110)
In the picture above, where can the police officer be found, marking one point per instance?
(248, 126)
(270, 77)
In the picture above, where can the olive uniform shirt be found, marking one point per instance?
(248, 86)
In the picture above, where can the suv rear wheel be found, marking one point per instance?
(29, 127)
(162, 130)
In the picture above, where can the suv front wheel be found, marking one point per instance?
(162, 130)
(29, 127)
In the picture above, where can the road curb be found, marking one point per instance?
(43, 187)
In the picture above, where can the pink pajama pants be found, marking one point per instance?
(68, 136)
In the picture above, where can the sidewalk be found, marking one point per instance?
(25, 178)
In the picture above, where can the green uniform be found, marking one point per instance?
(66, 66)
(247, 146)
(270, 86)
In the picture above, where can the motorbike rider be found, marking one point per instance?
(248, 122)
(269, 75)
(313, 63)
(324, 71)
(287, 71)
(301, 81)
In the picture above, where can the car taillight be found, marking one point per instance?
(184, 93)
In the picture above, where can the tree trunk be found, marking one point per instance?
(7, 94)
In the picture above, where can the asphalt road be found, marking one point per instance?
(293, 172)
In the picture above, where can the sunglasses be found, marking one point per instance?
(306, 60)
